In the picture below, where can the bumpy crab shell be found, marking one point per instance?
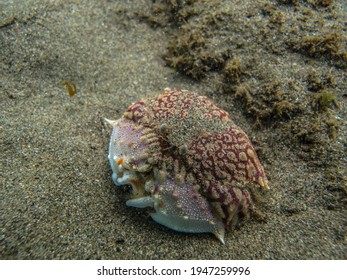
(185, 158)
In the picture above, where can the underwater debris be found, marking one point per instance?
(71, 87)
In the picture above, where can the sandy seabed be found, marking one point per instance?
(57, 199)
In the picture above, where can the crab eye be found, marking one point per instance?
(120, 161)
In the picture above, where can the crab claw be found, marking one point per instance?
(181, 208)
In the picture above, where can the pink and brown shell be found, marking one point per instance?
(184, 157)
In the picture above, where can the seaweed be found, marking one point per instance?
(233, 71)
(317, 82)
(329, 45)
(325, 44)
(314, 82)
(71, 87)
(266, 104)
(314, 3)
(324, 99)
(168, 13)
(320, 3)
(190, 53)
(289, 2)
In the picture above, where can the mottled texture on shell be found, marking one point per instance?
(187, 159)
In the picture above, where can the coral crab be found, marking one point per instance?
(185, 158)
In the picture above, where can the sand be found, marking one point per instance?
(57, 198)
